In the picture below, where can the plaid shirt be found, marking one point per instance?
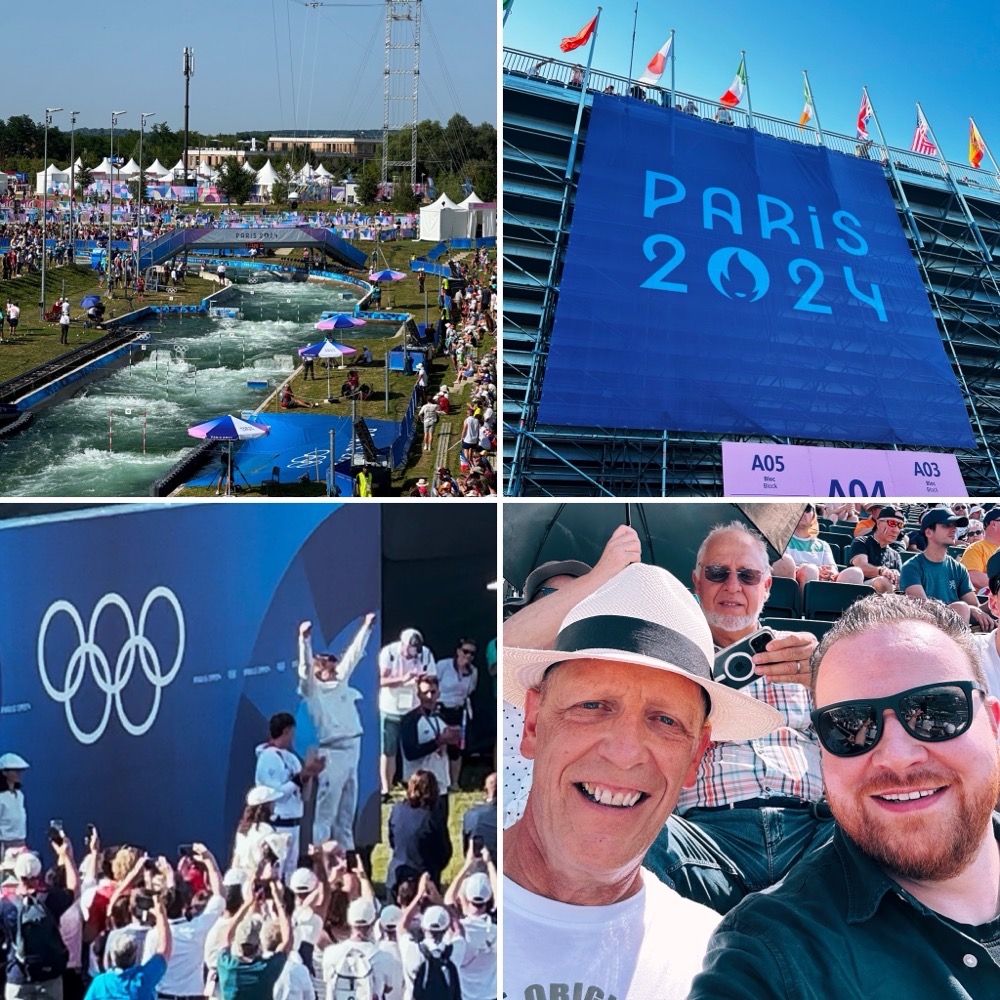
(783, 763)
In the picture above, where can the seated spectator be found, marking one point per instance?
(989, 642)
(874, 554)
(982, 548)
(291, 402)
(841, 512)
(867, 513)
(809, 558)
(934, 573)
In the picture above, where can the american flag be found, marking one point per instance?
(921, 142)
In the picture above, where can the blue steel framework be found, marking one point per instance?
(950, 213)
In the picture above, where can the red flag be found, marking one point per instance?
(863, 115)
(580, 38)
(921, 139)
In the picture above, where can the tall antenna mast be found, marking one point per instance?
(402, 80)
(188, 69)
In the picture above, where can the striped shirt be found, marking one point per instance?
(783, 763)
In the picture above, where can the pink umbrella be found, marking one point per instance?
(339, 323)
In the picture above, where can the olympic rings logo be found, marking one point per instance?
(90, 655)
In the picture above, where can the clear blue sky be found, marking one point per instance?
(122, 54)
(941, 54)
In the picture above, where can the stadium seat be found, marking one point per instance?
(906, 555)
(838, 551)
(825, 601)
(784, 599)
(818, 628)
(836, 540)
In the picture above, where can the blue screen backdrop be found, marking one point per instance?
(725, 281)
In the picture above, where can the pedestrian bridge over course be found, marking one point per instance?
(210, 239)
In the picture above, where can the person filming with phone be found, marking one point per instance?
(757, 806)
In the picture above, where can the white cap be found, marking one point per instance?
(260, 794)
(389, 917)
(477, 889)
(13, 762)
(303, 880)
(435, 918)
(27, 866)
(235, 876)
(361, 912)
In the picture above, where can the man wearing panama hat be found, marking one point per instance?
(617, 716)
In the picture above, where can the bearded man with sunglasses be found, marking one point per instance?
(904, 901)
(756, 807)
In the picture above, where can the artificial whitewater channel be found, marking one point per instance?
(118, 435)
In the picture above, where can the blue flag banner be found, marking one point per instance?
(145, 648)
(724, 281)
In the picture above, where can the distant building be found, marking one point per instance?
(213, 156)
(342, 147)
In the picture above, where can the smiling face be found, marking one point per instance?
(935, 834)
(613, 744)
(731, 606)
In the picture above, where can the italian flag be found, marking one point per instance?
(581, 37)
(738, 87)
(656, 65)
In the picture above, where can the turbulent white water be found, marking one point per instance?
(197, 368)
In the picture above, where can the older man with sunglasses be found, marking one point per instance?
(874, 555)
(904, 901)
(756, 807)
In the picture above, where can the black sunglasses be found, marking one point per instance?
(932, 713)
(719, 574)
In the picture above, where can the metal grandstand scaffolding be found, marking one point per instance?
(402, 80)
(950, 214)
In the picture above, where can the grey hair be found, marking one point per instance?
(741, 528)
(881, 610)
(124, 952)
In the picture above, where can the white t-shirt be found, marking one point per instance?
(455, 688)
(478, 971)
(13, 818)
(185, 976)
(990, 659)
(647, 947)
(399, 991)
(381, 963)
(398, 699)
(294, 983)
(429, 727)
(413, 957)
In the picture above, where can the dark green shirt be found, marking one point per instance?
(837, 926)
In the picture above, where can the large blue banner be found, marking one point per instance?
(725, 281)
(144, 649)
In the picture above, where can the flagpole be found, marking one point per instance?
(914, 230)
(996, 169)
(812, 104)
(970, 218)
(746, 73)
(631, 55)
(673, 89)
(583, 100)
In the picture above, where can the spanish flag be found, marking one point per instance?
(580, 38)
(976, 145)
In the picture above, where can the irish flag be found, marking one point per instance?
(655, 66)
(581, 37)
(807, 111)
(738, 87)
(976, 145)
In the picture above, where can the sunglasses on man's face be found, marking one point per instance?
(892, 523)
(932, 713)
(720, 574)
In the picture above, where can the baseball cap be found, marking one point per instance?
(887, 512)
(991, 516)
(303, 880)
(13, 762)
(234, 876)
(260, 794)
(389, 917)
(941, 515)
(993, 565)
(27, 866)
(247, 934)
(675, 637)
(538, 576)
(361, 912)
(435, 918)
(477, 889)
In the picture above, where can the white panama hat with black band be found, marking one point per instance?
(643, 616)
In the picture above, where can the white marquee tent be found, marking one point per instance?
(443, 220)
(51, 178)
(479, 213)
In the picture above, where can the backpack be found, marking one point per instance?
(352, 979)
(437, 977)
(38, 946)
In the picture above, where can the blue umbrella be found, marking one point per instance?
(326, 349)
(227, 428)
(89, 301)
